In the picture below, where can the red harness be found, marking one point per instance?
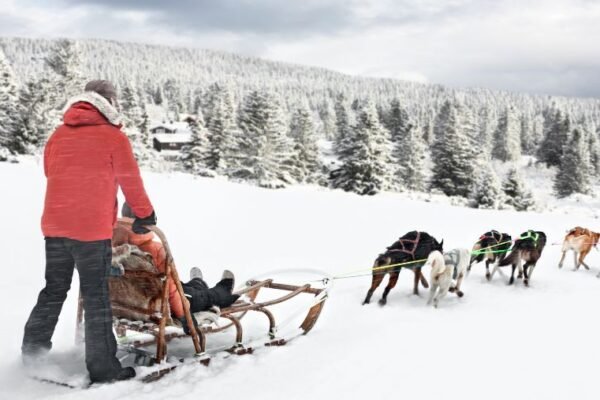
(404, 248)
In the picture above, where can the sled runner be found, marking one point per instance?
(144, 320)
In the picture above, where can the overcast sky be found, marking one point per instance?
(536, 46)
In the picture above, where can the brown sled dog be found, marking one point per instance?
(581, 241)
(528, 248)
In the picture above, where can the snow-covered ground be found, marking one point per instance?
(498, 342)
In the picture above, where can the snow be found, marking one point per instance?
(497, 342)
(173, 137)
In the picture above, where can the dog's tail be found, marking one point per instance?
(438, 270)
(512, 258)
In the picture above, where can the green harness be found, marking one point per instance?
(530, 235)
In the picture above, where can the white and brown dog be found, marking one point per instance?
(445, 268)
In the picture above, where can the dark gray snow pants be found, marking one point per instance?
(92, 260)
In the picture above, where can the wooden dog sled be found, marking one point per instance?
(140, 326)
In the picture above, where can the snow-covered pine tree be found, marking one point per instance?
(68, 81)
(342, 122)
(507, 137)
(144, 126)
(440, 122)
(556, 134)
(135, 127)
(158, 95)
(537, 130)
(197, 103)
(594, 150)
(409, 154)
(470, 124)
(132, 110)
(327, 115)
(302, 131)
(216, 94)
(516, 194)
(487, 192)
(526, 134)
(8, 106)
(574, 174)
(487, 126)
(223, 129)
(365, 156)
(264, 150)
(33, 124)
(453, 165)
(427, 131)
(398, 122)
(173, 98)
(194, 155)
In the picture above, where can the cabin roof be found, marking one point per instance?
(173, 137)
(178, 127)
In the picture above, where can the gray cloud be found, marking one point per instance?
(266, 17)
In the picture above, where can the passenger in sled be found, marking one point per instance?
(197, 292)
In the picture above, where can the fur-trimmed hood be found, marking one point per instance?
(98, 102)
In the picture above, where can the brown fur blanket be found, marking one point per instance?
(140, 287)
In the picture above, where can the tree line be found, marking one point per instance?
(350, 143)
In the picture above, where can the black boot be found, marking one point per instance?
(222, 295)
(126, 374)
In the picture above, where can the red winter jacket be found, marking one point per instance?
(85, 161)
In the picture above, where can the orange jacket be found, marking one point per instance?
(123, 234)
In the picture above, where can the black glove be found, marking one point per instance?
(138, 223)
(184, 323)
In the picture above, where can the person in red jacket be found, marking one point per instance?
(86, 160)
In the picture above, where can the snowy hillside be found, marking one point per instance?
(193, 70)
(498, 342)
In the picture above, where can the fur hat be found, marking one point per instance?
(104, 89)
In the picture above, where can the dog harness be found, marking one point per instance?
(530, 235)
(497, 236)
(453, 258)
(404, 249)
